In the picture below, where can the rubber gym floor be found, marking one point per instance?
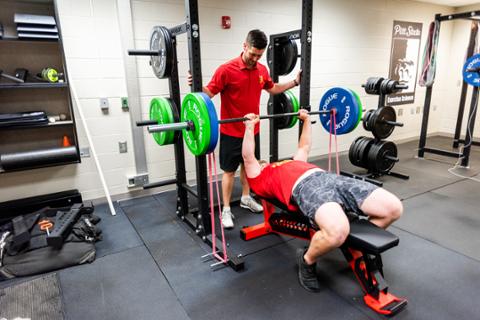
(149, 263)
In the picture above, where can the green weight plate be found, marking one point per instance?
(195, 109)
(296, 107)
(161, 111)
(360, 107)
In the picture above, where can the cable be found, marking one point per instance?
(460, 157)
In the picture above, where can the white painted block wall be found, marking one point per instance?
(351, 42)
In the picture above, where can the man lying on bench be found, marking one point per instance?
(321, 196)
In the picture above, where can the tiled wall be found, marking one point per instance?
(351, 42)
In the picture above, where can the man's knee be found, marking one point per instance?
(229, 174)
(395, 209)
(337, 234)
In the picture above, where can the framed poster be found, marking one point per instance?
(405, 50)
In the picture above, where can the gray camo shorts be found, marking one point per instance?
(322, 187)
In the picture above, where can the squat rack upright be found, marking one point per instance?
(468, 141)
(305, 36)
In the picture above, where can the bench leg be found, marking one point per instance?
(368, 271)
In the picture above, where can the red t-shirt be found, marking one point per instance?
(240, 90)
(277, 179)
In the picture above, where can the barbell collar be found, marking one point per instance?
(146, 123)
(394, 159)
(144, 53)
(393, 123)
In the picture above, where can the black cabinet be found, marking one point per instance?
(51, 143)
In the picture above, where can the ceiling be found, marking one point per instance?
(451, 3)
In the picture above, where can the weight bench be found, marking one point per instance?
(362, 249)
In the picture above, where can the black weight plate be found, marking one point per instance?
(372, 157)
(176, 118)
(387, 148)
(161, 41)
(286, 54)
(353, 151)
(380, 129)
(281, 104)
(364, 152)
(358, 154)
(365, 119)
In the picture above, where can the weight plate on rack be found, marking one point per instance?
(161, 111)
(376, 156)
(295, 107)
(161, 42)
(286, 55)
(472, 77)
(380, 129)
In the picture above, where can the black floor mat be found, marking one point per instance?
(440, 218)
(110, 225)
(34, 299)
(125, 285)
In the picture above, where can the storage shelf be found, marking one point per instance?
(36, 126)
(33, 85)
(15, 38)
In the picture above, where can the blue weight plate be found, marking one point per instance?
(213, 122)
(346, 106)
(472, 78)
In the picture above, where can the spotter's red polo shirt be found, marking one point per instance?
(240, 89)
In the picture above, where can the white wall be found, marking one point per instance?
(351, 42)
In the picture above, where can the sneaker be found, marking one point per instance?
(307, 275)
(250, 204)
(227, 218)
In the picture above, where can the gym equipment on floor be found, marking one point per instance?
(469, 76)
(374, 154)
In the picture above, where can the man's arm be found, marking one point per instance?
(305, 142)
(281, 87)
(252, 167)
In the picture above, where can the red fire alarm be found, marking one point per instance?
(226, 22)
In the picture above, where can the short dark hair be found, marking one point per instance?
(257, 39)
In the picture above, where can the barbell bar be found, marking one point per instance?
(190, 125)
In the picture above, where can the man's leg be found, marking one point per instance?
(247, 201)
(228, 179)
(382, 207)
(334, 229)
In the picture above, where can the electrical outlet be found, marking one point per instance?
(85, 152)
(138, 180)
(417, 110)
(104, 105)
(122, 147)
(400, 112)
(412, 110)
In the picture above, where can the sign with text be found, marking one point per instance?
(406, 38)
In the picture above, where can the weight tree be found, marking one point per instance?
(163, 59)
(468, 142)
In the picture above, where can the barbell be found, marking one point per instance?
(199, 122)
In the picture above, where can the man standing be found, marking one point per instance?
(240, 82)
